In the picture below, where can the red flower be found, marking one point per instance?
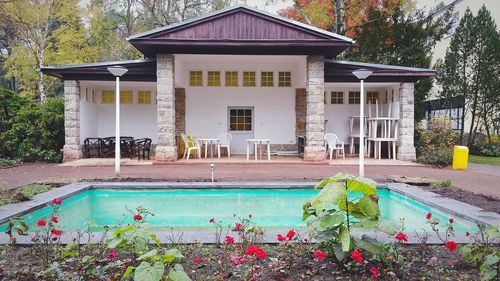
(319, 255)
(229, 239)
(251, 250)
(400, 236)
(290, 234)
(451, 245)
(57, 201)
(212, 220)
(451, 220)
(54, 219)
(428, 216)
(41, 223)
(260, 254)
(238, 226)
(280, 237)
(357, 256)
(374, 272)
(112, 255)
(137, 217)
(56, 232)
(196, 259)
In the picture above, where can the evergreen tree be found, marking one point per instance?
(471, 70)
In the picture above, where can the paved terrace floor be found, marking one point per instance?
(478, 178)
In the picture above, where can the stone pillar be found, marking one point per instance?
(406, 148)
(315, 113)
(72, 149)
(166, 149)
(180, 111)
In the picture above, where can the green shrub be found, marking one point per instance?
(435, 146)
(442, 184)
(8, 162)
(5, 200)
(27, 192)
(35, 132)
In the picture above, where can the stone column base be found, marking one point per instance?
(166, 153)
(314, 153)
(407, 154)
(72, 152)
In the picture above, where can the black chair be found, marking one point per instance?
(92, 147)
(141, 147)
(108, 147)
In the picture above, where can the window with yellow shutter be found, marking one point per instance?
(213, 78)
(196, 78)
(267, 79)
(284, 79)
(144, 97)
(108, 97)
(249, 79)
(231, 78)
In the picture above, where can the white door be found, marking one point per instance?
(241, 127)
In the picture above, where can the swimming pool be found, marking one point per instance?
(191, 208)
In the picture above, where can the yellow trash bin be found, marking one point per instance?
(460, 157)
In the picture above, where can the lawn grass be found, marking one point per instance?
(484, 160)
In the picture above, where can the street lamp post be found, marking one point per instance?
(362, 74)
(117, 71)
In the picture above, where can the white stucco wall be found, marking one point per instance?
(274, 107)
(337, 114)
(98, 120)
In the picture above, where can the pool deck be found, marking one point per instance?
(451, 206)
(482, 179)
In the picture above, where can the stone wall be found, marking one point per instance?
(300, 112)
(72, 149)
(315, 113)
(406, 147)
(180, 111)
(166, 149)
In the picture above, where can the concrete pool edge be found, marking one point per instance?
(454, 207)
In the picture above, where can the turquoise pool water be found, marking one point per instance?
(187, 209)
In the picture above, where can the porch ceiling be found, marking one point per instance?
(341, 71)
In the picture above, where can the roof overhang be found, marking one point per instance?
(341, 71)
(240, 30)
(138, 70)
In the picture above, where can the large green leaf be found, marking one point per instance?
(332, 194)
(177, 274)
(148, 255)
(368, 206)
(146, 272)
(370, 245)
(345, 238)
(171, 255)
(331, 221)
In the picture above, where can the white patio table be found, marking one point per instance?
(256, 143)
(209, 141)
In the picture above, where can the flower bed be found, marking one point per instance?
(132, 252)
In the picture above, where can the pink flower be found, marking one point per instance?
(319, 255)
(56, 232)
(57, 201)
(196, 259)
(357, 256)
(112, 255)
(237, 259)
(451, 245)
(400, 236)
(137, 217)
(229, 239)
(374, 272)
(212, 220)
(54, 219)
(238, 226)
(280, 237)
(428, 216)
(41, 223)
(290, 234)
(451, 220)
(127, 260)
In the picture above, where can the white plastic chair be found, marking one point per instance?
(224, 141)
(190, 145)
(332, 142)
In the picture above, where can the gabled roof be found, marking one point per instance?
(240, 30)
(138, 70)
(341, 71)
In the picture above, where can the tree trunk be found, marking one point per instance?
(41, 86)
(339, 16)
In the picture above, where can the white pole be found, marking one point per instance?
(361, 131)
(117, 128)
